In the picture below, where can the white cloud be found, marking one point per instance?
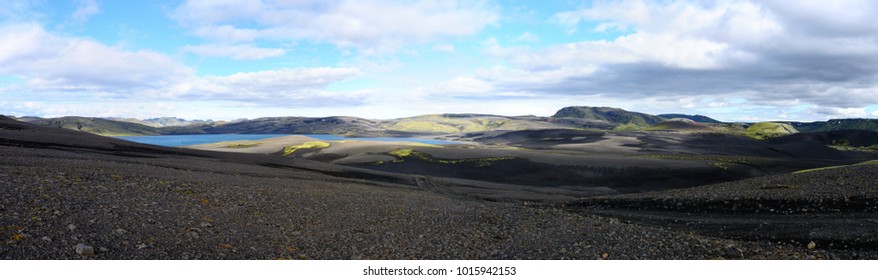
(768, 55)
(363, 24)
(836, 112)
(52, 65)
(51, 62)
(85, 9)
(284, 86)
(237, 52)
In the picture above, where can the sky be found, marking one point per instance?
(230, 59)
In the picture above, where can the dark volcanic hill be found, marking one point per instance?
(836, 124)
(298, 125)
(97, 126)
(612, 115)
(853, 138)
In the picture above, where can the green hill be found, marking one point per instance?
(608, 114)
(463, 123)
(680, 125)
(697, 118)
(765, 130)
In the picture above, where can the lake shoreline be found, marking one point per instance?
(200, 139)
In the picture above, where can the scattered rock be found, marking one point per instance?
(84, 250)
(605, 255)
(205, 224)
(121, 231)
(732, 252)
(47, 239)
(812, 245)
(103, 249)
(71, 227)
(142, 246)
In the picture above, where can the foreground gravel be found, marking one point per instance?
(58, 204)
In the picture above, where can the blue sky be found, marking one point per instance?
(230, 59)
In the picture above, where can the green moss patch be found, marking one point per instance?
(288, 150)
(242, 145)
(765, 130)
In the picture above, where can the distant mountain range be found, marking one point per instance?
(163, 122)
(574, 117)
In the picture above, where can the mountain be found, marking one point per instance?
(608, 114)
(97, 126)
(837, 124)
(463, 123)
(425, 124)
(297, 125)
(172, 121)
(697, 118)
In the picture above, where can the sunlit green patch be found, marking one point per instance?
(401, 152)
(628, 127)
(765, 130)
(288, 150)
(242, 145)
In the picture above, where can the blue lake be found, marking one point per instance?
(195, 139)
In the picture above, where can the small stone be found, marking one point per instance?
(103, 249)
(84, 250)
(812, 245)
(121, 231)
(732, 252)
(563, 251)
(605, 255)
(71, 227)
(142, 246)
(205, 224)
(47, 239)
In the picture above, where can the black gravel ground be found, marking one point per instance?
(100, 201)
